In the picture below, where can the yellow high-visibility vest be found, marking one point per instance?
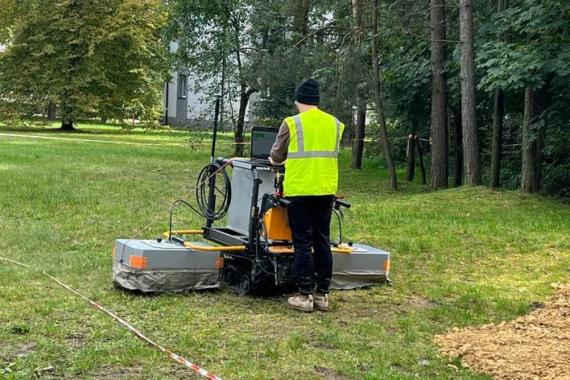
(312, 158)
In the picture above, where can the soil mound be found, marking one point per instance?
(534, 346)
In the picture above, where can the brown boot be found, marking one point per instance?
(301, 302)
(321, 301)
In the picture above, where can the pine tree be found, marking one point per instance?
(439, 154)
(470, 141)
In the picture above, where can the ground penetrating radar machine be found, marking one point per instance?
(253, 251)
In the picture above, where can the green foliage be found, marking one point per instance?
(94, 58)
(290, 57)
(214, 43)
(556, 171)
(8, 11)
(525, 44)
(557, 180)
(405, 50)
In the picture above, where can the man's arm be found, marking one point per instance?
(278, 153)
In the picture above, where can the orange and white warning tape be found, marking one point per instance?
(185, 362)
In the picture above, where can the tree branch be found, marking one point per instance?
(315, 32)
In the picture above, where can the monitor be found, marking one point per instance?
(262, 139)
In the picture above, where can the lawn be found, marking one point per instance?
(459, 257)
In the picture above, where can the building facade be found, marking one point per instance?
(182, 105)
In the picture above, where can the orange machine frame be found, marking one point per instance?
(277, 224)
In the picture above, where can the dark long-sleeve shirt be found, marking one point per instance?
(281, 146)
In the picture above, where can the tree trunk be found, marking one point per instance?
(497, 144)
(66, 112)
(471, 162)
(66, 119)
(498, 116)
(348, 135)
(357, 12)
(244, 95)
(439, 152)
(502, 5)
(51, 111)
(238, 132)
(301, 18)
(529, 179)
(67, 125)
(360, 128)
(535, 102)
(359, 133)
(457, 149)
(411, 157)
(422, 166)
(377, 90)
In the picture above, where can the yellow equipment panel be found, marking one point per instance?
(277, 224)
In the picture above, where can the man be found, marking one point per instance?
(307, 144)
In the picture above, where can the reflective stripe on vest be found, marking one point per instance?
(300, 153)
(322, 153)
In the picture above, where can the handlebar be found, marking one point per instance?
(338, 203)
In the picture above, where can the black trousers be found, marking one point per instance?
(310, 218)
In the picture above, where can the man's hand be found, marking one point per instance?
(275, 163)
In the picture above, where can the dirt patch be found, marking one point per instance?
(113, 372)
(418, 302)
(10, 354)
(328, 373)
(76, 340)
(534, 346)
(13, 352)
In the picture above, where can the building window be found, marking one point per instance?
(182, 86)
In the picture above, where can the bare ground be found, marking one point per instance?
(534, 346)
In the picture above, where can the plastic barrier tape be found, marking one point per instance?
(185, 362)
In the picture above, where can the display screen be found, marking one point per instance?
(262, 141)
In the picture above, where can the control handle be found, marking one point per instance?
(339, 203)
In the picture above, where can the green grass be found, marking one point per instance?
(460, 257)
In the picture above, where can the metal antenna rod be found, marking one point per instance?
(212, 181)
(216, 117)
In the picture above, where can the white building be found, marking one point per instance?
(185, 104)
(182, 104)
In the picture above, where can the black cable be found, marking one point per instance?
(204, 177)
(174, 205)
(339, 216)
(260, 265)
(258, 262)
(202, 191)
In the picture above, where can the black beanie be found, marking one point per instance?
(308, 92)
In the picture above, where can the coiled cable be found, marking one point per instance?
(207, 178)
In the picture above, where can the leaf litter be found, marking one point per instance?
(534, 346)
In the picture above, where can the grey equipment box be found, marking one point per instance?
(151, 266)
(242, 190)
(365, 266)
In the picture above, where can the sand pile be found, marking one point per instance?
(534, 346)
